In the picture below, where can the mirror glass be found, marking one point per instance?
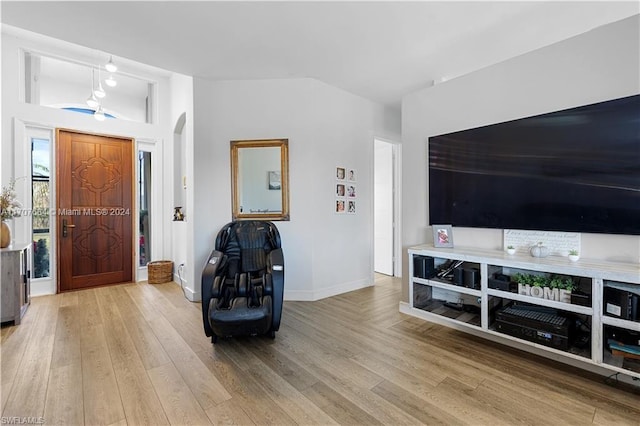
(260, 179)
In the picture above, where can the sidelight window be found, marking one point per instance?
(41, 218)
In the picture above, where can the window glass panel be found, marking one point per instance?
(66, 85)
(41, 190)
(144, 189)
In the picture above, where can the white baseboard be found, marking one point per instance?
(191, 295)
(311, 295)
(43, 287)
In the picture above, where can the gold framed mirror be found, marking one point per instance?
(260, 179)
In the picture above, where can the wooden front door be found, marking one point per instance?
(94, 210)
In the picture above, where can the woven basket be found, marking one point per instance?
(160, 271)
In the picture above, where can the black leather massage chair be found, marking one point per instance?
(243, 281)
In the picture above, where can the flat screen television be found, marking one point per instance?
(574, 170)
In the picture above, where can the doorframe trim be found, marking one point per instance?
(156, 220)
(133, 192)
(397, 205)
(22, 168)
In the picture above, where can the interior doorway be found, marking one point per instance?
(94, 210)
(385, 207)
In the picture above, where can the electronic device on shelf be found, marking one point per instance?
(448, 267)
(423, 267)
(622, 301)
(462, 301)
(536, 324)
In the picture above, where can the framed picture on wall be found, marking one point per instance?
(351, 176)
(351, 191)
(442, 235)
(340, 206)
(340, 190)
(340, 173)
(351, 207)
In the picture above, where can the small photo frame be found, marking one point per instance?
(340, 206)
(442, 235)
(351, 191)
(351, 175)
(275, 181)
(340, 190)
(351, 207)
(341, 173)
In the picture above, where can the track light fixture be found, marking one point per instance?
(99, 114)
(110, 66)
(99, 92)
(111, 82)
(91, 100)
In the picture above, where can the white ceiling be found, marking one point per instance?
(378, 50)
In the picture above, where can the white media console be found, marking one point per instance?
(473, 308)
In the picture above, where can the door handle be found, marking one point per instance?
(65, 226)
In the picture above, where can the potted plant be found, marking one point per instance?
(574, 255)
(554, 287)
(511, 249)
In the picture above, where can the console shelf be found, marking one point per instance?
(447, 286)
(586, 326)
(585, 310)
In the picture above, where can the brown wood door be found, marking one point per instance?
(94, 210)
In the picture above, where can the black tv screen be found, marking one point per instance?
(573, 170)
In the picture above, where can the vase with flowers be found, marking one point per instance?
(10, 207)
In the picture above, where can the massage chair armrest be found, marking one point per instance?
(276, 263)
(210, 288)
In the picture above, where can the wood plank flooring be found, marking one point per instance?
(136, 354)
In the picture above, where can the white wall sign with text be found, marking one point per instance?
(559, 243)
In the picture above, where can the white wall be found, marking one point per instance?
(17, 114)
(181, 252)
(599, 65)
(325, 253)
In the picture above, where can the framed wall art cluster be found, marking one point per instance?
(345, 190)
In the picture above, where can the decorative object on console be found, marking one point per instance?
(574, 255)
(178, 216)
(558, 243)
(442, 235)
(511, 250)
(10, 207)
(539, 250)
(553, 287)
(5, 235)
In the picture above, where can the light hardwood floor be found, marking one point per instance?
(136, 354)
